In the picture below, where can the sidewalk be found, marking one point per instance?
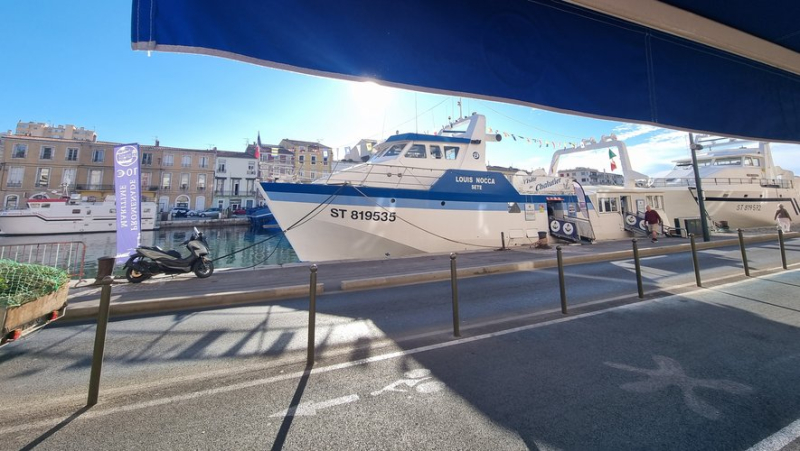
(260, 284)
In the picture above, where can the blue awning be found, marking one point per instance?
(544, 53)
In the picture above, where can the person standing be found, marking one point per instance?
(653, 220)
(783, 218)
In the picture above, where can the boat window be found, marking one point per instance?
(416, 151)
(436, 152)
(736, 161)
(608, 204)
(450, 152)
(656, 202)
(393, 151)
(76, 211)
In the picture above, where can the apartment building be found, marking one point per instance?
(590, 176)
(178, 177)
(235, 179)
(40, 161)
(276, 163)
(311, 160)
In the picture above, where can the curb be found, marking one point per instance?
(212, 300)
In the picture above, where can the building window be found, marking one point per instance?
(20, 151)
(42, 177)
(186, 161)
(15, 176)
(251, 168)
(166, 181)
(313, 159)
(68, 176)
(147, 177)
(221, 166)
(46, 153)
(204, 162)
(168, 159)
(201, 182)
(95, 178)
(250, 186)
(11, 202)
(301, 159)
(98, 156)
(184, 181)
(72, 154)
(147, 159)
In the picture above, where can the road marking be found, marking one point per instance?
(310, 408)
(670, 373)
(779, 439)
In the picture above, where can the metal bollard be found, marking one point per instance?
(638, 269)
(744, 253)
(100, 340)
(502, 241)
(561, 283)
(312, 313)
(695, 261)
(454, 289)
(783, 249)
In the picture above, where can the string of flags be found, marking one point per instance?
(534, 141)
(611, 156)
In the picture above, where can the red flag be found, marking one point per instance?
(613, 165)
(258, 147)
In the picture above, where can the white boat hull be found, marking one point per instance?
(56, 221)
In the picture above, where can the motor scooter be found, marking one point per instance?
(148, 261)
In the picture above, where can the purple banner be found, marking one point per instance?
(128, 196)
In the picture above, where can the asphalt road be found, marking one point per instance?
(713, 368)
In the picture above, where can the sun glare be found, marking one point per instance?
(370, 94)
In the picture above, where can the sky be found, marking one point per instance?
(72, 63)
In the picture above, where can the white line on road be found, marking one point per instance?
(779, 439)
(310, 408)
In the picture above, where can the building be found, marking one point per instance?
(43, 130)
(361, 152)
(311, 160)
(589, 176)
(235, 178)
(47, 164)
(177, 177)
(276, 163)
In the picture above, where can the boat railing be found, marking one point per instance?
(69, 256)
(690, 182)
(396, 176)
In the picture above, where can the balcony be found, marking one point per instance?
(234, 193)
(93, 187)
(13, 184)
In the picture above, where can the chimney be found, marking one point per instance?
(156, 143)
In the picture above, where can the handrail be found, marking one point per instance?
(690, 182)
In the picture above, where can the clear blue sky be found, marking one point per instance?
(71, 63)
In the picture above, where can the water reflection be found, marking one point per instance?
(263, 247)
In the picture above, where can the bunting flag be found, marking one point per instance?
(611, 154)
(613, 165)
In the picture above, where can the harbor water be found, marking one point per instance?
(239, 246)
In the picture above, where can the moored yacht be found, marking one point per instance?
(69, 214)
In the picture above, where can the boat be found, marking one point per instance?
(262, 218)
(423, 194)
(46, 215)
(741, 184)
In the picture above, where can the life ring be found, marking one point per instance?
(630, 220)
(568, 229)
(555, 226)
(643, 225)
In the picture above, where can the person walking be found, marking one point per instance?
(653, 220)
(783, 218)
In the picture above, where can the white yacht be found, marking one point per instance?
(69, 214)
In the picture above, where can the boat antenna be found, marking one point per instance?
(459, 108)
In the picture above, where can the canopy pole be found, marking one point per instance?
(700, 198)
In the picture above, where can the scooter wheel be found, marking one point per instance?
(135, 276)
(203, 268)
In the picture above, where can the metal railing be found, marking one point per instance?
(67, 255)
(770, 183)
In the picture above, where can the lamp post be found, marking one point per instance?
(700, 201)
